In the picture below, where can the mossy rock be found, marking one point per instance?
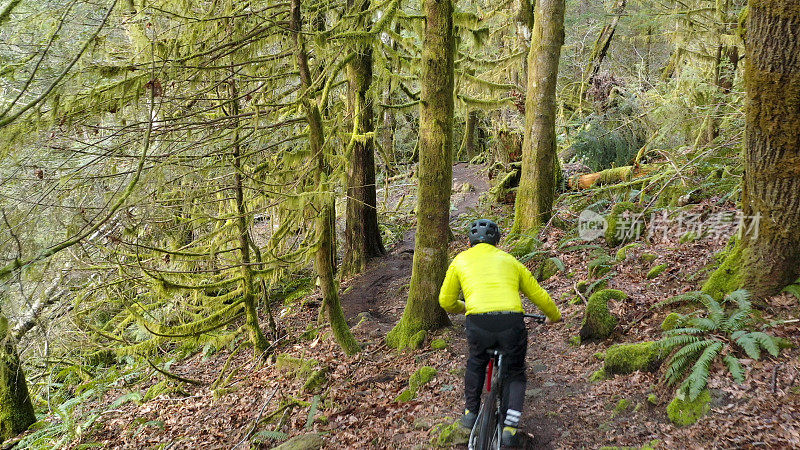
(623, 359)
(302, 368)
(406, 396)
(466, 187)
(649, 257)
(656, 271)
(614, 234)
(682, 412)
(622, 253)
(449, 435)
(421, 377)
(670, 322)
(418, 379)
(438, 344)
(521, 245)
(311, 441)
(598, 375)
(652, 399)
(598, 322)
(547, 269)
(575, 341)
(622, 406)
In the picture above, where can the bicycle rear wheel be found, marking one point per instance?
(486, 435)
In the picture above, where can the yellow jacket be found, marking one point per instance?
(491, 280)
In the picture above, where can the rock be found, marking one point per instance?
(682, 412)
(449, 435)
(466, 187)
(623, 359)
(535, 392)
(311, 441)
(438, 344)
(598, 322)
(670, 322)
(656, 271)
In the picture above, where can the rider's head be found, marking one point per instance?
(484, 230)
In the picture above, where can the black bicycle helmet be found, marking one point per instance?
(484, 230)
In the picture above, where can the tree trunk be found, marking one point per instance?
(604, 41)
(362, 235)
(422, 312)
(324, 222)
(767, 261)
(16, 410)
(260, 342)
(537, 188)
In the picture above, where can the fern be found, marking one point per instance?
(702, 340)
(734, 367)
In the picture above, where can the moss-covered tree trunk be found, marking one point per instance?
(362, 235)
(260, 342)
(324, 222)
(16, 410)
(767, 261)
(422, 312)
(537, 187)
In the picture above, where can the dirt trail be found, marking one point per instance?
(379, 293)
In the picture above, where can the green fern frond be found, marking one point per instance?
(685, 330)
(741, 297)
(702, 323)
(734, 367)
(766, 342)
(736, 320)
(748, 344)
(669, 343)
(688, 297)
(683, 358)
(698, 378)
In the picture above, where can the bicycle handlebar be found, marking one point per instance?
(538, 318)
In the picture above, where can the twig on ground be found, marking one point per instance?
(258, 419)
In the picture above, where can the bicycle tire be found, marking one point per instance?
(487, 425)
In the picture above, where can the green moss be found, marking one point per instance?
(438, 344)
(682, 412)
(600, 266)
(598, 375)
(418, 379)
(628, 358)
(546, 269)
(649, 257)
(652, 399)
(16, 410)
(656, 271)
(316, 380)
(302, 368)
(449, 435)
(670, 322)
(622, 406)
(405, 396)
(622, 253)
(310, 441)
(598, 322)
(417, 339)
(522, 245)
(575, 341)
(614, 234)
(421, 377)
(727, 278)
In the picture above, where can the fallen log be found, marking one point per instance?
(608, 176)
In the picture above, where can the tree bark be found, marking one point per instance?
(604, 41)
(324, 223)
(422, 312)
(16, 409)
(537, 187)
(362, 235)
(767, 261)
(260, 342)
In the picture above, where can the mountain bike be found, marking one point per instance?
(488, 428)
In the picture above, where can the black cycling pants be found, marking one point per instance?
(507, 333)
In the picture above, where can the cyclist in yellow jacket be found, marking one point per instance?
(491, 280)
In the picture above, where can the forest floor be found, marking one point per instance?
(563, 408)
